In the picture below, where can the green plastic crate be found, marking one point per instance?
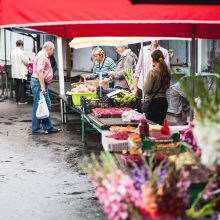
(76, 97)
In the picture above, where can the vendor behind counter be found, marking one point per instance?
(102, 63)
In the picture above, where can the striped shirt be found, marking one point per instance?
(105, 67)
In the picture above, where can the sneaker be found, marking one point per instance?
(40, 132)
(53, 130)
(22, 103)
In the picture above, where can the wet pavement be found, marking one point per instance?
(39, 175)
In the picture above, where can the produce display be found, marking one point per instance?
(123, 99)
(167, 149)
(123, 129)
(129, 77)
(136, 118)
(134, 144)
(133, 116)
(87, 104)
(166, 145)
(119, 136)
(114, 142)
(109, 112)
(83, 89)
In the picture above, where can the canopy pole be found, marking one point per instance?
(199, 57)
(142, 68)
(193, 66)
(61, 76)
(1, 96)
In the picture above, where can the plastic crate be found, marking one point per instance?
(88, 104)
(76, 97)
(112, 145)
(135, 105)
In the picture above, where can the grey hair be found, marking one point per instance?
(121, 44)
(49, 45)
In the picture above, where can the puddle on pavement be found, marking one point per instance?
(92, 198)
(25, 120)
(8, 123)
(31, 171)
(74, 193)
(12, 118)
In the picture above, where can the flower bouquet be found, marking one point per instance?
(147, 193)
(207, 127)
(163, 190)
(114, 189)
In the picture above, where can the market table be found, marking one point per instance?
(100, 124)
(66, 107)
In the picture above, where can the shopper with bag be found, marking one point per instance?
(155, 88)
(41, 77)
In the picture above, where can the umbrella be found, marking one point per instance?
(84, 42)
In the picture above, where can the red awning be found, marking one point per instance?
(84, 18)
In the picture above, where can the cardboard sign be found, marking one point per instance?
(109, 95)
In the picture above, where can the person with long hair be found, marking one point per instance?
(155, 88)
(147, 62)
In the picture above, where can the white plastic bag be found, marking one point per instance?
(42, 109)
(132, 115)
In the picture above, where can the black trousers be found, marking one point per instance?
(20, 90)
(157, 110)
(139, 93)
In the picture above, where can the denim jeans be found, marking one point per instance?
(45, 124)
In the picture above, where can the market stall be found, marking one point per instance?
(162, 172)
(165, 158)
(188, 21)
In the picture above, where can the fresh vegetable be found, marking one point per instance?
(124, 98)
(109, 112)
(119, 136)
(123, 129)
(83, 89)
(134, 143)
(129, 76)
